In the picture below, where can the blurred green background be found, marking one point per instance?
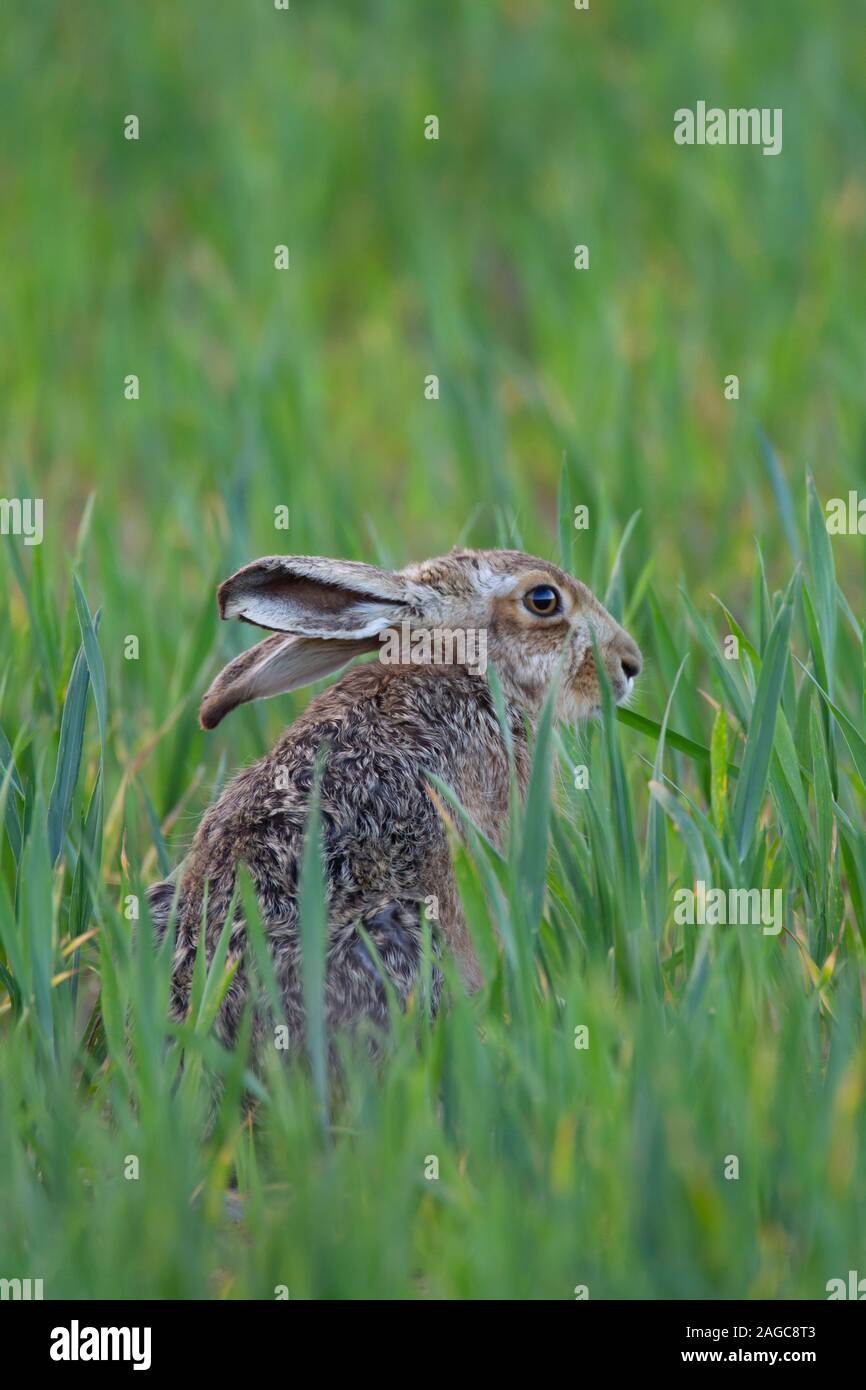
(305, 388)
(408, 257)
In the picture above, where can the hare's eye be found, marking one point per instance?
(543, 601)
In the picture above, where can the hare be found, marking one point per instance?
(379, 732)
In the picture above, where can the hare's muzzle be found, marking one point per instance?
(624, 663)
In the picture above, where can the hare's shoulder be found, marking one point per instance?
(375, 700)
(377, 732)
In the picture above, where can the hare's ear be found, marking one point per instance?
(333, 609)
(315, 597)
(273, 666)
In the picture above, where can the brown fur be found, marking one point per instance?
(381, 730)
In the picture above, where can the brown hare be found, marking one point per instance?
(379, 731)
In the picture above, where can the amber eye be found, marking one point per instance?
(543, 601)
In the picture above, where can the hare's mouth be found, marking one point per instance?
(621, 691)
(620, 688)
(625, 689)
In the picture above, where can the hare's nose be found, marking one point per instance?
(631, 660)
(630, 667)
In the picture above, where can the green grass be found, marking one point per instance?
(557, 1166)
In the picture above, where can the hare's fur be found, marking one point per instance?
(378, 733)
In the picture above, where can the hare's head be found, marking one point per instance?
(526, 616)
